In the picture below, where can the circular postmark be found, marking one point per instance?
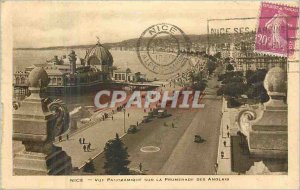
(161, 48)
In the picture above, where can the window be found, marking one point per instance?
(53, 80)
(59, 81)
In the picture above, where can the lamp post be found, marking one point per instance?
(124, 110)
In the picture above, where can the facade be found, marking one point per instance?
(122, 75)
(260, 62)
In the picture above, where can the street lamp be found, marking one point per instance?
(124, 110)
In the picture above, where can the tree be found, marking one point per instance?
(227, 60)
(116, 157)
(232, 89)
(89, 167)
(229, 67)
(256, 77)
(211, 66)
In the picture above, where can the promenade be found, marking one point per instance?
(98, 134)
(228, 127)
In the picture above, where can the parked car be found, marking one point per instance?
(162, 113)
(146, 119)
(132, 129)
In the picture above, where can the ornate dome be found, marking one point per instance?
(99, 55)
(38, 78)
(275, 81)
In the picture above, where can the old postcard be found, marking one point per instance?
(150, 94)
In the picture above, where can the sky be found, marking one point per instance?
(44, 24)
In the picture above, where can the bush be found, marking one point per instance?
(89, 167)
(229, 67)
(232, 103)
(234, 89)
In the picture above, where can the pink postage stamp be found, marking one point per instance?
(277, 29)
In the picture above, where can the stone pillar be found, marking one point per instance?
(72, 59)
(36, 126)
(266, 127)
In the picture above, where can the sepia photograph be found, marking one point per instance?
(120, 94)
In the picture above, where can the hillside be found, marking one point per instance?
(195, 39)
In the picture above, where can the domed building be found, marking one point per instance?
(99, 56)
(72, 75)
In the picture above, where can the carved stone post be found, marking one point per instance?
(36, 126)
(266, 128)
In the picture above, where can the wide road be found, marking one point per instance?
(178, 153)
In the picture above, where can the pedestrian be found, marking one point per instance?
(137, 123)
(80, 140)
(173, 125)
(222, 155)
(83, 139)
(140, 166)
(67, 137)
(128, 114)
(60, 138)
(228, 134)
(224, 143)
(216, 168)
(89, 147)
(227, 127)
(112, 117)
(84, 148)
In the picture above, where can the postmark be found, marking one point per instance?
(161, 48)
(277, 29)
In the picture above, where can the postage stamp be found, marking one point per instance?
(173, 96)
(160, 48)
(277, 29)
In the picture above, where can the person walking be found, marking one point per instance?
(84, 148)
(128, 114)
(137, 123)
(80, 140)
(140, 166)
(173, 126)
(216, 168)
(83, 139)
(59, 138)
(89, 147)
(67, 137)
(224, 143)
(228, 134)
(112, 117)
(222, 155)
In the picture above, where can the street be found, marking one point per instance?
(178, 153)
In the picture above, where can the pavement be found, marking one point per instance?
(227, 129)
(98, 134)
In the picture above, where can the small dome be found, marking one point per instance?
(99, 55)
(275, 81)
(38, 78)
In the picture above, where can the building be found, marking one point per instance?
(122, 75)
(74, 75)
(260, 62)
